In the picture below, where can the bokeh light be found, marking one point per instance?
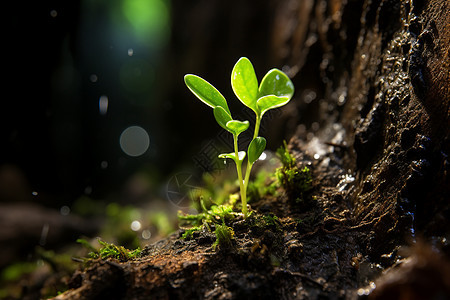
(149, 19)
(103, 105)
(135, 225)
(134, 141)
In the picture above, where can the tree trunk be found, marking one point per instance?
(380, 75)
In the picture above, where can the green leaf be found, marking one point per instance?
(256, 148)
(222, 116)
(275, 90)
(232, 155)
(270, 102)
(245, 83)
(206, 92)
(276, 83)
(236, 127)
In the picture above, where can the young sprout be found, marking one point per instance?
(275, 90)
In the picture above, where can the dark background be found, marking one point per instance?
(61, 57)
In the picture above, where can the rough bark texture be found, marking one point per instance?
(373, 82)
(383, 93)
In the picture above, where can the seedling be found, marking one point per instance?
(275, 90)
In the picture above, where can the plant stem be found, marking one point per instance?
(248, 170)
(242, 185)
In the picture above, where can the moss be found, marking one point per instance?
(224, 236)
(261, 223)
(213, 215)
(285, 156)
(264, 184)
(296, 181)
(217, 214)
(189, 232)
(108, 250)
(271, 220)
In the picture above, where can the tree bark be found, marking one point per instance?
(380, 71)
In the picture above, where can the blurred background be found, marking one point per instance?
(94, 97)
